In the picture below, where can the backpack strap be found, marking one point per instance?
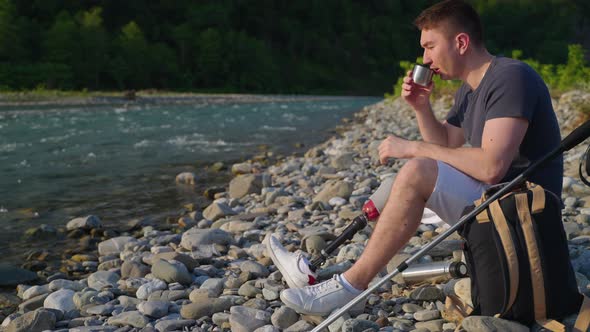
(537, 278)
(583, 320)
(509, 251)
(538, 283)
(538, 197)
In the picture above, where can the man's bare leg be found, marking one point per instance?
(398, 221)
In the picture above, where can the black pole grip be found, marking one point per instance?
(576, 137)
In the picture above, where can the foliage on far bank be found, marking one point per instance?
(329, 46)
(574, 74)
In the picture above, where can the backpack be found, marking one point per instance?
(517, 256)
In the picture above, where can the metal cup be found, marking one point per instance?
(422, 75)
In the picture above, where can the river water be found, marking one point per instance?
(118, 160)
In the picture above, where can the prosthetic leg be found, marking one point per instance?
(371, 210)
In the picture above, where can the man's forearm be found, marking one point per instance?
(475, 162)
(431, 129)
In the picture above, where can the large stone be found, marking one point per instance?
(11, 275)
(187, 260)
(84, 223)
(350, 252)
(171, 272)
(33, 303)
(132, 318)
(334, 189)
(245, 184)
(491, 324)
(115, 245)
(244, 319)
(97, 328)
(33, 291)
(65, 284)
(8, 303)
(81, 299)
(214, 286)
(205, 308)
(103, 279)
(195, 237)
(300, 326)
(284, 317)
(427, 293)
(155, 309)
(241, 168)
(217, 210)
(168, 295)
(359, 325)
(174, 325)
(61, 300)
(237, 226)
(424, 315)
(343, 161)
(145, 290)
(134, 269)
(34, 321)
(186, 178)
(433, 325)
(257, 269)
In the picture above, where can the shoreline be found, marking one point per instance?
(221, 252)
(64, 98)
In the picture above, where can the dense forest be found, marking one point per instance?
(263, 46)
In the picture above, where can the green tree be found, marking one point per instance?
(93, 46)
(131, 61)
(211, 58)
(61, 40)
(12, 46)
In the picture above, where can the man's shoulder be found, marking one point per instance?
(509, 68)
(511, 74)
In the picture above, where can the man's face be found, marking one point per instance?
(440, 53)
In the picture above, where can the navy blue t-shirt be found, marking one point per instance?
(511, 88)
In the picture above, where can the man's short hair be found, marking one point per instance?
(459, 16)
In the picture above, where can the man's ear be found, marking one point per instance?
(462, 42)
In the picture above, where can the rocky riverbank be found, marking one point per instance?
(211, 272)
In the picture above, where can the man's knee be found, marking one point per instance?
(419, 174)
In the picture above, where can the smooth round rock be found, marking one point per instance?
(155, 309)
(61, 300)
(11, 275)
(244, 319)
(284, 317)
(84, 223)
(103, 279)
(171, 272)
(131, 318)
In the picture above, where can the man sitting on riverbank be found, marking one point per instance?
(503, 110)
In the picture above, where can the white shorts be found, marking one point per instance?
(453, 192)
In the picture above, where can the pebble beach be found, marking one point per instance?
(209, 270)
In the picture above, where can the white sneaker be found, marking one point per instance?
(320, 299)
(289, 263)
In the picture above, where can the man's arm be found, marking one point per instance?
(500, 143)
(432, 130)
(435, 132)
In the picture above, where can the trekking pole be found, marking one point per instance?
(574, 138)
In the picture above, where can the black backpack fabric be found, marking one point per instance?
(517, 256)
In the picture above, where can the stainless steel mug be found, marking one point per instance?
(422, 75)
